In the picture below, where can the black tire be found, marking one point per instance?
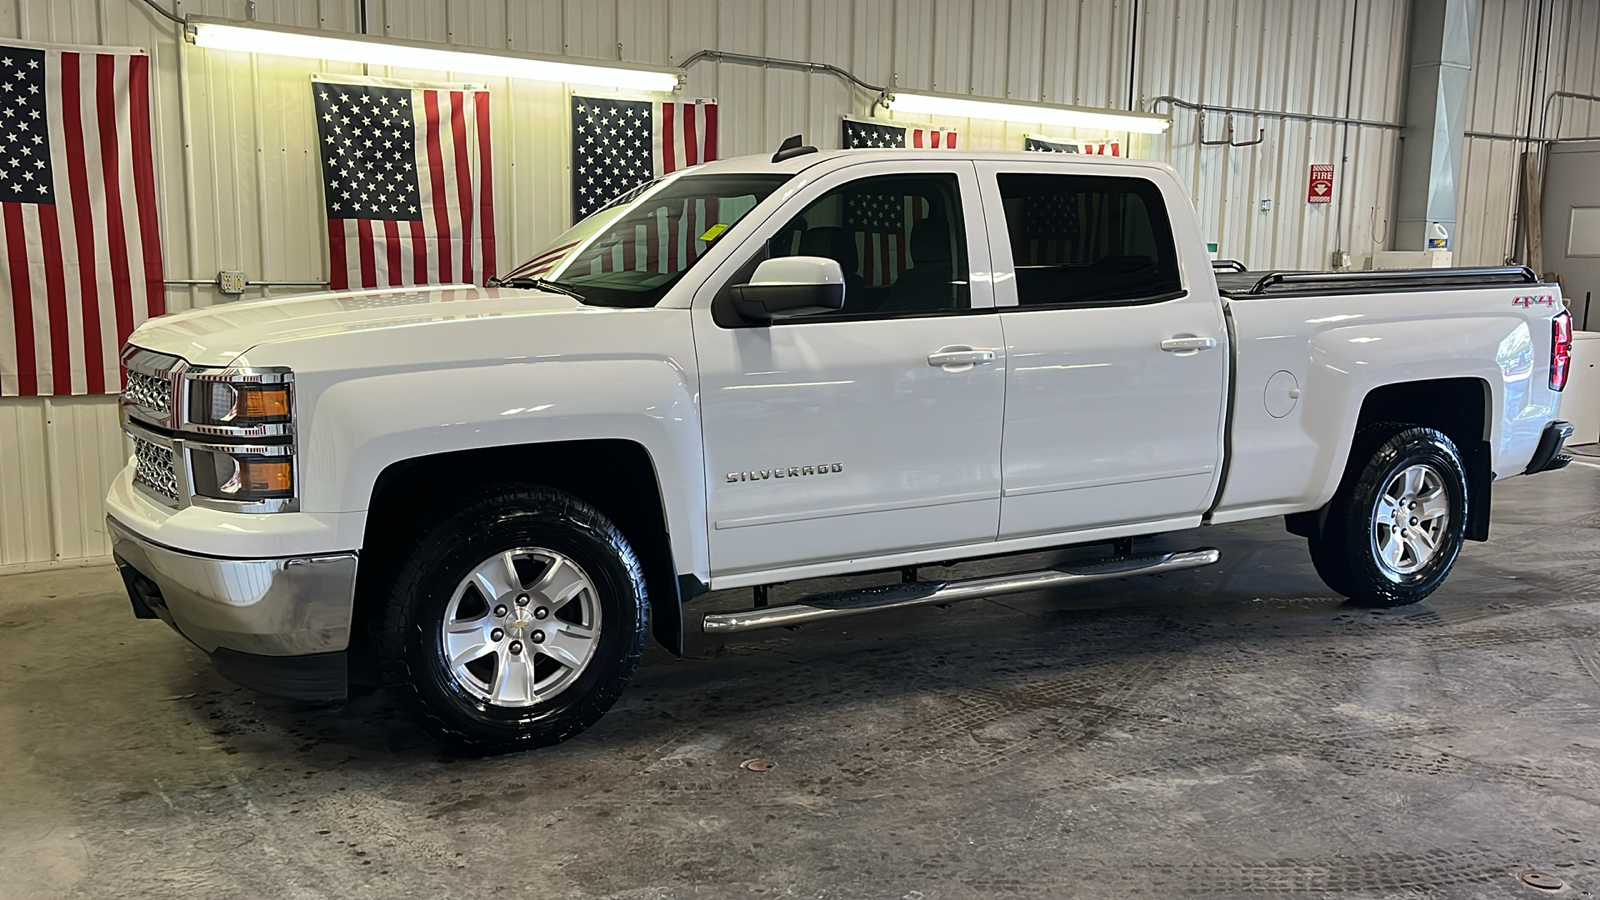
(430, 577)
(1379, 556)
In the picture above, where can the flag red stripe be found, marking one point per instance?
(82, 227)
(369, 262)
(144, 182)
(21, 309)
(691, 152)
(338, 260)
(419, 252)
(916, 138)
(55, 289)
(669, 161)
(458, 130)
(673, 229)
(121, 286)
(485, 189)
(441, 216)
(391, 243)
(711, 132)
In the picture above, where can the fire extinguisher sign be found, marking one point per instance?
(1321, 188)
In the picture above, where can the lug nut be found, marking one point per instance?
(1413, 523)
(537, 637)
(541, 613)
(515, 648)
(497, 634)
(522, 599)
(500, 610)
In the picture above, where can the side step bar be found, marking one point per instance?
(894, 596)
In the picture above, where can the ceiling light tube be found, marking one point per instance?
(249, 37)
(961, 106)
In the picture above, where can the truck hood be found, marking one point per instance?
(217, 335)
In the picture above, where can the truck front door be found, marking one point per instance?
(869, 431)
(1116, 360)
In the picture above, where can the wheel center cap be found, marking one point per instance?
(524, 618)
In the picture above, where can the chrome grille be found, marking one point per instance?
(148, 391)
(153, 468)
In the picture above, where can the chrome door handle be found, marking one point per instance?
(1188, 343)
(960, 358)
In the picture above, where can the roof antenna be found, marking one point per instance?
(791, 147)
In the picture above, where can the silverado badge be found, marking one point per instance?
(791, 472)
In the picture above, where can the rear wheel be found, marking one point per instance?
(1397, 522)
(516, 622)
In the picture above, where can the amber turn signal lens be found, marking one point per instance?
(267, 477)
(266, 403)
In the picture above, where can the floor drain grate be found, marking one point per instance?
(1541, 880)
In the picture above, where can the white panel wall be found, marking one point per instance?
(1526, 49)
(238, 174)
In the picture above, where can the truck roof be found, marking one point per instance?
(762, 162)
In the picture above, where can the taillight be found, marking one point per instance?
(1560, 350)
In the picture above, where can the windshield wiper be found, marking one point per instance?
(540, 283)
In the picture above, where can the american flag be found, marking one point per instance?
(882, 225)
(1091, 148)
(882, 222)
(1051, 227)
(859, 135)
(618, 145)
(81, 260)
(406, 181)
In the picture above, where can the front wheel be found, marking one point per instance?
(1397, 522)
(516, 622)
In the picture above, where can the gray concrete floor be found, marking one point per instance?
(1235, 731)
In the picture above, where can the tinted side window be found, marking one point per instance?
(1088, 239)
(900, 240)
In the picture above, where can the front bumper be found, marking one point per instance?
(278, 625)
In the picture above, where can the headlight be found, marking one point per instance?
(248, 476)
(238, 405)
(238, 436)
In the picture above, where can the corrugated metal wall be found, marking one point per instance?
(1526, 49)
(238, 176)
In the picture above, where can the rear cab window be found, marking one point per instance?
(1088, 240)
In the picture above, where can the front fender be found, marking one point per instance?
(362, 425)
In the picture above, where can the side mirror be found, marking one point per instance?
(790, 286)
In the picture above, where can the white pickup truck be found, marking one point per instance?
(763, 370)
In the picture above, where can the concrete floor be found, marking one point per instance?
(1235, 731)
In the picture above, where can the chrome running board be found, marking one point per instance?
(894, 596)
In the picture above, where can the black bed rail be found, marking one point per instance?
(1227, 265)
(1388, 280)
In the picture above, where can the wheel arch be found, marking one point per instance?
(616, 476)
(1460, 407)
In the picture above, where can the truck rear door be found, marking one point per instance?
(1116, 357)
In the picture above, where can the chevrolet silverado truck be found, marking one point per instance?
(765, 370)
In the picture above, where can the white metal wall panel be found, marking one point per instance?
(1518, 63)
(240, 187)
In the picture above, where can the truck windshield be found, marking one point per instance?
(633, 251)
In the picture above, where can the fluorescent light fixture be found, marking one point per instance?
(966, 107)
(223, 34)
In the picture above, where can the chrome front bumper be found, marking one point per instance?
(296, 606)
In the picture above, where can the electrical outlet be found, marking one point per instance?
(1341, 259)
(231, 283)
(1266, 206)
